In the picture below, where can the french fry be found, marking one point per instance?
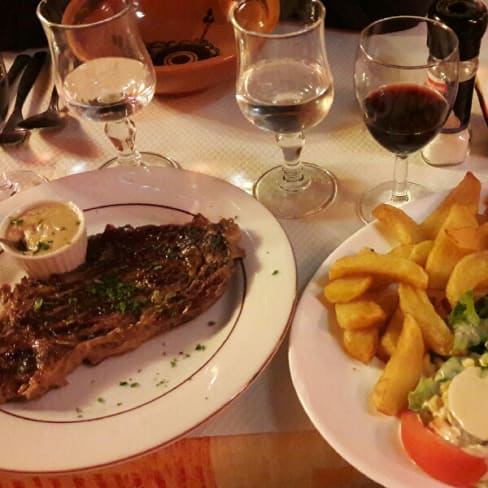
(347, 288)
(389, 339)
(401, 251)
(359, 314)
(396, 269)
(387, 299)
(470, 239)
(436, 333)
(392, 305)
(470, 273)
(467, 192)
(402, 371)
(398, 224)
(420, 252)
(445, 254)
(361, 344)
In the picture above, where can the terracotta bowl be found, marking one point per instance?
(191, 43)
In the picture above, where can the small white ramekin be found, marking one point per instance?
(61, 260)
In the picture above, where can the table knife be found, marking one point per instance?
(14, 71)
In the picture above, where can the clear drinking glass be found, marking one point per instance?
(102, 68)
(284, 86)
(406, 80)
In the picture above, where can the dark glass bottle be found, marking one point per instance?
(468, 19)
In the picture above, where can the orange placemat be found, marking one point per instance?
(295, 460)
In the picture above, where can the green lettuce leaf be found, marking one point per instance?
(426, 388)
(470, 329)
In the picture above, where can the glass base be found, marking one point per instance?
(318, 191)
(382, 194)
(15, 181)
(148, 159)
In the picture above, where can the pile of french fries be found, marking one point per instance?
(394, 306)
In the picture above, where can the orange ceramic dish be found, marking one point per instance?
(186, 36)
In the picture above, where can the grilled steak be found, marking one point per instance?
(135, 283)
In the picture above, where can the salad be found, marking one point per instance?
(445, 429)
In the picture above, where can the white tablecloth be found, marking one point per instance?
(206, 132)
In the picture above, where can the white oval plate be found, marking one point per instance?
(335, 389)
(136, 402)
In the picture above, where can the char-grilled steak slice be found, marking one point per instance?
(135, 283)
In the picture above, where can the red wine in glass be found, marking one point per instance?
(405, 80)
(404, 117)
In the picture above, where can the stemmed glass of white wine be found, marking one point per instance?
(284, 86)
(102, 68)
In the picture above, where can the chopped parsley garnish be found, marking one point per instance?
(120, 295)
(275, 272)
(200, 347)
(16, 221)
(37, 304)
(42, 246)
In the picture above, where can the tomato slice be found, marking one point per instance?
(438, 457)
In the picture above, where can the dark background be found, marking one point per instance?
(356, 14)
(20, 29)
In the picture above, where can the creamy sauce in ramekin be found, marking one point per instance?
(43, 228)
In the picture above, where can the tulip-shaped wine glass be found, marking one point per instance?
(102, 68)
(406, 80)
(284, 86)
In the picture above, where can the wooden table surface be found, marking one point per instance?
(268, 460)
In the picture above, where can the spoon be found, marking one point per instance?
(51, 118)
(14, 245)
(11, 134)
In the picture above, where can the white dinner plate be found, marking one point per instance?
(144, 399)
(335, 389)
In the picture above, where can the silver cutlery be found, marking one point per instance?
(51, 118)
(14, 71)
(11, 133)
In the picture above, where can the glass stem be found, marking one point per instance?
(122, 134)
(291, 146)
(6, 185)
(399, 192)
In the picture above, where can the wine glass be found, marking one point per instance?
(102, 68)
(406, 80)
(284, 86)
